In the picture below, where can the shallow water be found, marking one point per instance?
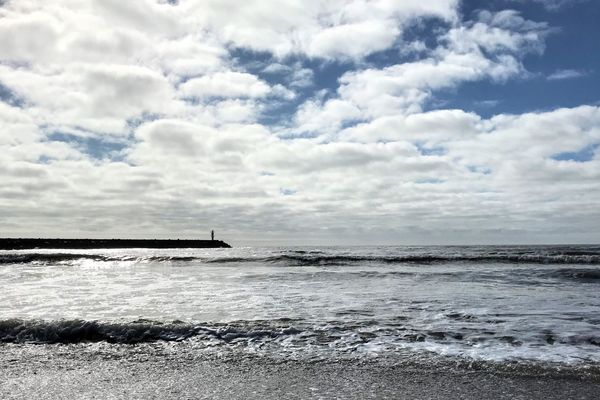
(497, 303)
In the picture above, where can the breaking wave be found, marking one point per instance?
(77, 331)
(48, 258)
(432, 259)
(281, 336)
(305, 259)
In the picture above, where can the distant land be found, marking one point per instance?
(24, 244)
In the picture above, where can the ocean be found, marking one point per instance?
(506, 305)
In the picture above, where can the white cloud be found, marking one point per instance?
(353, 40)
(489, 48)
(313, 27)
(16, 126)
(296, 75)
(97, 97)
(501, 32)
(173, 137)
(186, 121)
(226, 84)
(318, 117)
(434, 128)
(563, 74)
(146, 16)
(28, 36)
(191, 55)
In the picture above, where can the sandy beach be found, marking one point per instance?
(131, 372)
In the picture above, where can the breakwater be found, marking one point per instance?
(24, 243)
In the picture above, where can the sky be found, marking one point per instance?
(301, 121)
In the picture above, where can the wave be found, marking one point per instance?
(591, 275)
(25, 258)
(248, 333)
(323, 259)
(77, 331)
(432, 259)
(318, 259)
(47, 258)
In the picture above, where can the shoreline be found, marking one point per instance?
(141, 372)
(31, 243)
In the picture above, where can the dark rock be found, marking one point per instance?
(21, 244)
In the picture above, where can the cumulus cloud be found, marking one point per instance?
(226, 84)
(95, 97)
(179, 101)
(314, 27)
(353, 40)
(490, 47)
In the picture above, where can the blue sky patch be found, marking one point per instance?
(10, 97)
(479, 169)
(585, 154)
(431, 151)
(97, 148)
(287, 192)
(429, 181)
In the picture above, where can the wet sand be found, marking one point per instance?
(79, 372)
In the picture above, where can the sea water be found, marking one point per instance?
(494, 303)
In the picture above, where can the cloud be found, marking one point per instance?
(353, 40)
(555, 5)
(95, 97)
(499, 33)
(323, 117)
(226, 84)
(174, 138)
(295, 74)
(488, 103)
(563, 74)
(314, 28)
(434, 127)
(128, 118)
(28, 36)
(406, 87)
(490, 47)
